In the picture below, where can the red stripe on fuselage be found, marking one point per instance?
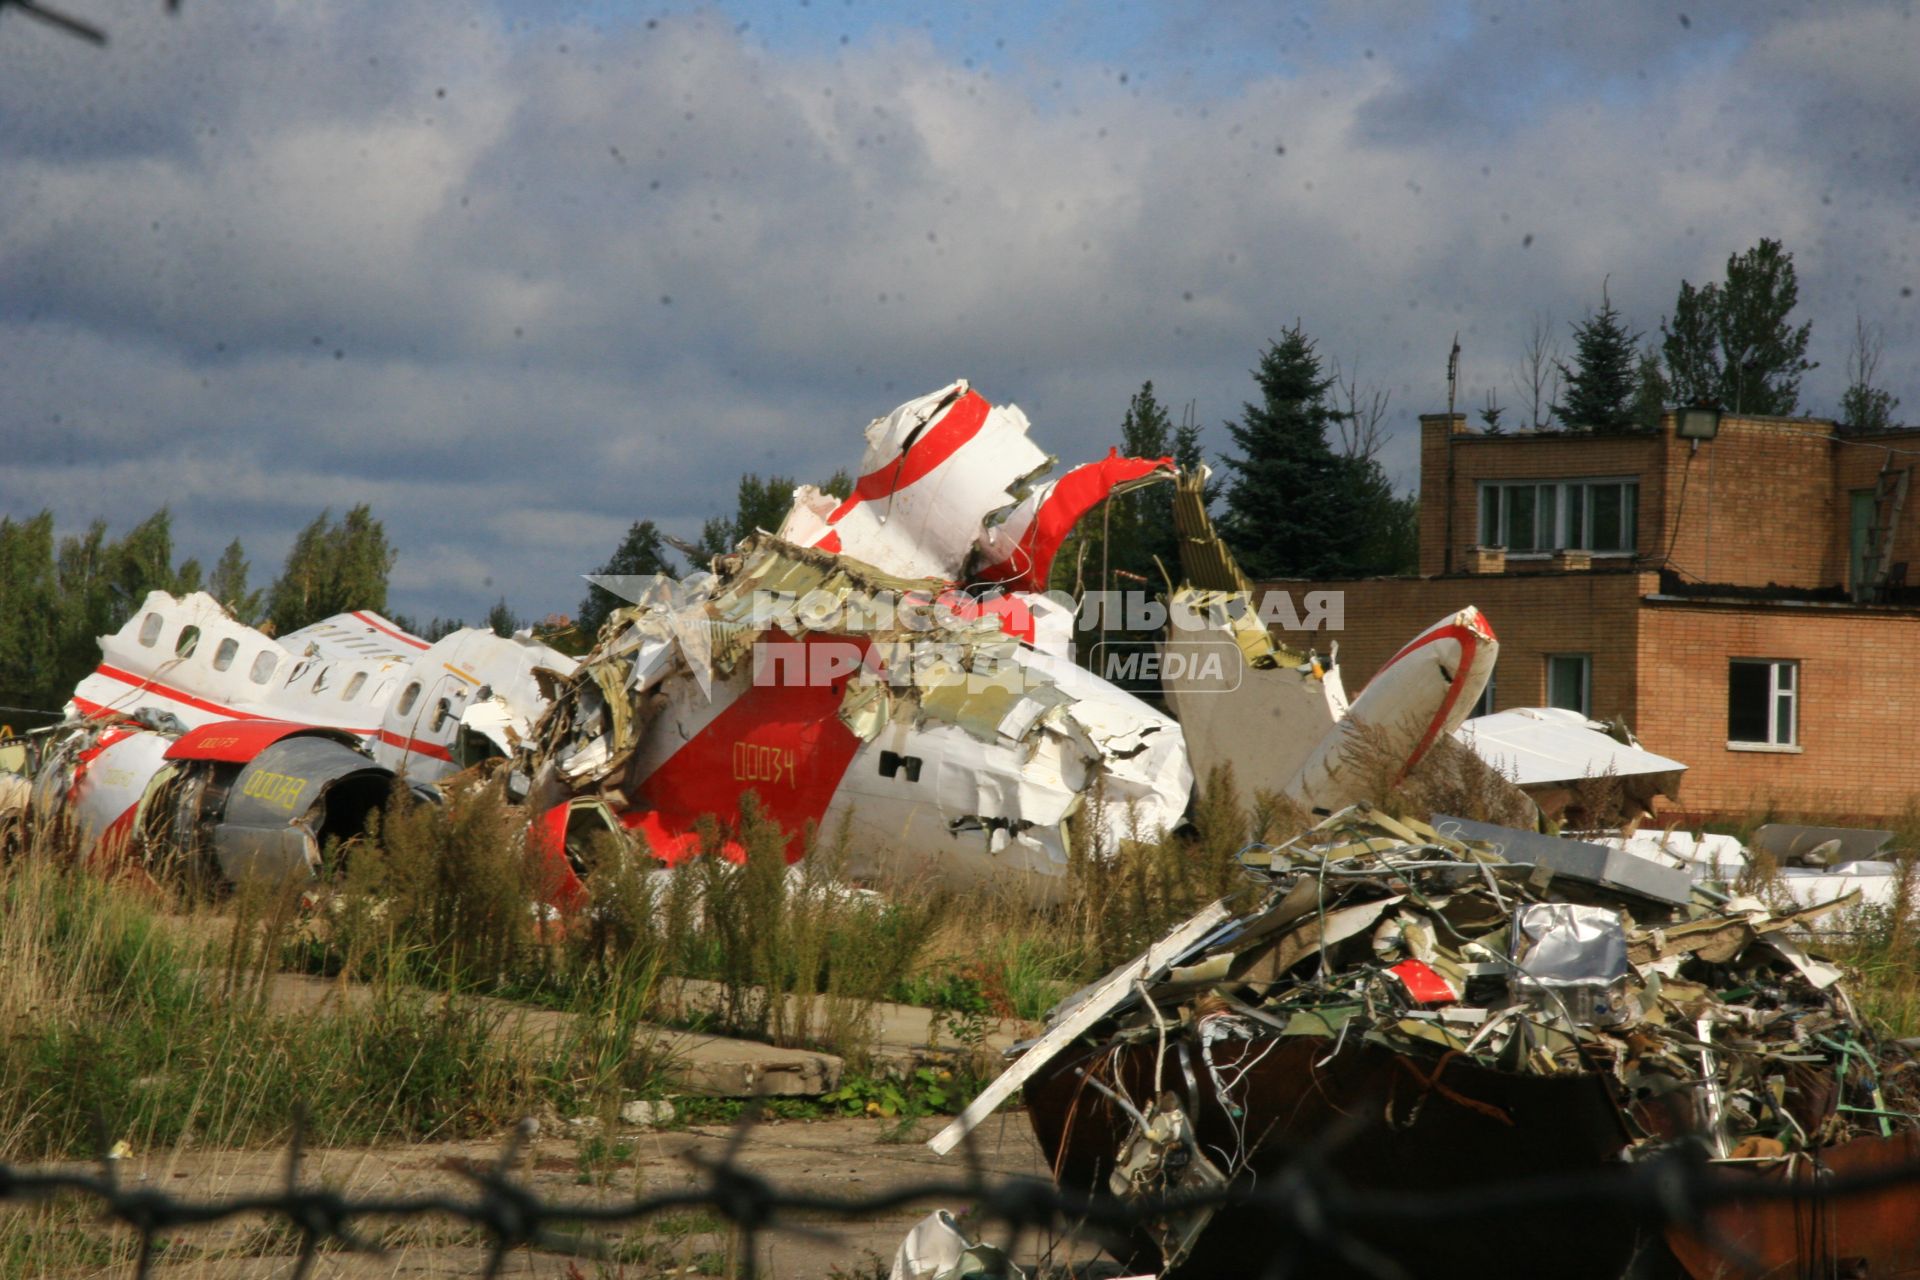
(417, 746)
(383, 629)
(1469, 644)
(961, 422)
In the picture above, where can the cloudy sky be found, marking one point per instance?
(520, 274)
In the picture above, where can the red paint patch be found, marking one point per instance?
(238, 741)
(785, 742)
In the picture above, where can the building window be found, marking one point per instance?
(1570, 682)
(1547, 515)
(1859, 535)
(1484, 707)
(1763, 702)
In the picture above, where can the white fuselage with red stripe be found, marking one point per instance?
(408, 699)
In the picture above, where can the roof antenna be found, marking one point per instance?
(1453, 372)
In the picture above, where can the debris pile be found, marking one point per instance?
(1498, 1002)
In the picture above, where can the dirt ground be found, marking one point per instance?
(841, 1157)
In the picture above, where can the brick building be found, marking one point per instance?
(1739, 601)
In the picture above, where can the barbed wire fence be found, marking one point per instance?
(1315, 1218)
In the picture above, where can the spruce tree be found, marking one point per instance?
(1141, 523)
(1598, 387)
(642, 551)
(1288, 511)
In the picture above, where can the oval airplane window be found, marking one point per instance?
(408, 696)
(223, 656)
(441, 714)
(150, 629)
(354, 686)
(189, 637)
(263, 664)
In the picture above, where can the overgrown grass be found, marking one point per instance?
(116, 1026)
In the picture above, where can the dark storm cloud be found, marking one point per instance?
(520, 284)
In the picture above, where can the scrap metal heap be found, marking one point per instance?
(1460, 1010)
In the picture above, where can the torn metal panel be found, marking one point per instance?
(1079, 1014)
(1549, 751)
(1242, 698)
(1594, 863)
(934, 470)
(1016, 547)
(1532, 746)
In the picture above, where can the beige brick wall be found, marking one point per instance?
(1754, 507)
(1765, 503)
(1532, 615)
(1478, 456)
(1663, 668)
(1858, 707)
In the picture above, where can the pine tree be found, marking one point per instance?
(1598, 387)
(333, 567)
(501, 620)
(29, 613)
(642, 551)
(228, 584)
(1286, 514)
(1730, 344)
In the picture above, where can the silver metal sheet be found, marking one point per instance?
(1578, 860)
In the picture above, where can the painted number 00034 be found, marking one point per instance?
(755, 763)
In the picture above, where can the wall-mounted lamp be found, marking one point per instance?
(1696, 422)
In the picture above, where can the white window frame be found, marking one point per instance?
(1586, 680)
(1561, 535)
(1781, 697)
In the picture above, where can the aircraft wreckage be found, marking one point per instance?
(1408, 1006)
(198, 737)
(839, 670)
(891, 660)
(1493, 1002)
